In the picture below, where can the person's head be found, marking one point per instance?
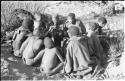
(91, 26)
(21, 16)
(73, 31)
(48, 42)
(27, 24)
(102, 21)
(37, 16)
(55, 18)
(71, 17)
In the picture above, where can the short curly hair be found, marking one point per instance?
(73, 30)
(48, 42)
(72, 15)
(102, 20)
(93, 26)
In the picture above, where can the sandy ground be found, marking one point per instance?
(12, 68)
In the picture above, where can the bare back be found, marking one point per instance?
(49, 60)
(33, 47)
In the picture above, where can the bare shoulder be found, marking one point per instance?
(29, 38)
(40, 41)
(55, 49)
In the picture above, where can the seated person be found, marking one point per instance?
(52, 61)
(72, 21)
(37, 20)
(38, 23)
(31, 47)
(102, 22)
(102, 35)
(94, 40)
(21, 34)
(56, 30)
(78, 61)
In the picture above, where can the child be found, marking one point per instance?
(38, 23)
(31, 47)
(21, 34)
(72, 21)
(50, 55)
(78, 60)
(94, 40)
(57, 31)
(102, 22)
(102, 35)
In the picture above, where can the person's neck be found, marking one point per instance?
(36, 36)
(74, 21)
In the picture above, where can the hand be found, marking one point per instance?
(29, 61)
(52, 27)
(17, 53)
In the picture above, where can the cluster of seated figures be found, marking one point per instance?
(71, 48)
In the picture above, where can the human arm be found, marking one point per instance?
(24, 45)
(14, 36)
(40, 55)
(59, 56)
(35, 59)
(83, 29)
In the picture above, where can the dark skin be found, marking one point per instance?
(31, 47)
(51, 66)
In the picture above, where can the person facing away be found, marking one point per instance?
(72, 21)
(52, 60)
(78, 58)
(102, 22)
(21, 35)
(94, 40)
(31, 47)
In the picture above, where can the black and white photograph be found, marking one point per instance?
(62, 40)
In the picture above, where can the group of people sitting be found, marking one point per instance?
(81, 53)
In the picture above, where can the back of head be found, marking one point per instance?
(92, 26)
(72, 15)
(48, 43)
(102, 20)
(73, 30)
(28, 24)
